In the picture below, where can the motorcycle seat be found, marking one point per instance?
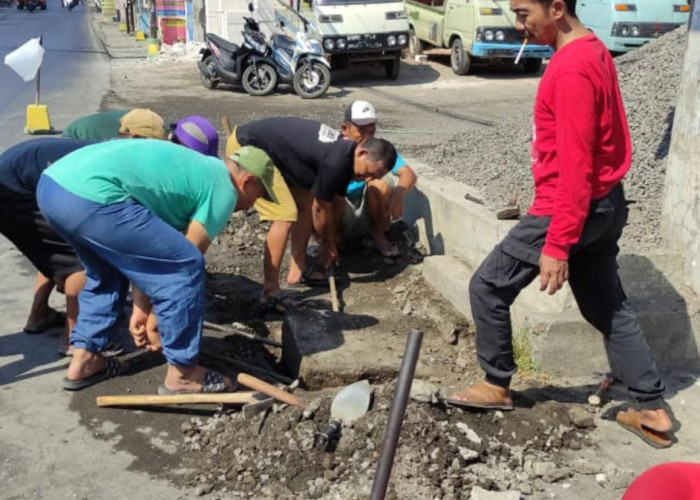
(223, 43)
(283, 42)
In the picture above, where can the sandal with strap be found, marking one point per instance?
(391, 251)
(213, 382)
(307, 279)
(483, 396)
(112, 368)
(55, 319)
(631, 420)
(276, 304)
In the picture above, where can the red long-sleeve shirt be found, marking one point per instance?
(581, 145)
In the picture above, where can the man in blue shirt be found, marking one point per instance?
(371, 206)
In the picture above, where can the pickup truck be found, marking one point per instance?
(473, 30)
(352, 31)
(627, 24)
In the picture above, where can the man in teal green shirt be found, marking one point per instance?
(125, 220)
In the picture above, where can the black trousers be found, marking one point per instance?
(594, 281)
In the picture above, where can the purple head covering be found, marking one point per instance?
(197, 133)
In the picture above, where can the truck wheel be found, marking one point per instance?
(392, 68)
(415, 46)
(532, 66)
(459, 58)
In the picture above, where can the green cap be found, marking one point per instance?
(257, 162)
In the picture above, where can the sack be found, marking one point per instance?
(26, 60)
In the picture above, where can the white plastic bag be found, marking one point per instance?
(26, 60)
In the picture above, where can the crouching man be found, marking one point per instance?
(125, 221)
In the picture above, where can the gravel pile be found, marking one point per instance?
(443, 454)
(497, 159)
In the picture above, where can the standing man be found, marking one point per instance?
(581, 151)
(126, 220)
(314, 165)
(371, 206)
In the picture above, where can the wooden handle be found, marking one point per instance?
(334, 293)
(232, 398)
(272, 391)
(226, 124)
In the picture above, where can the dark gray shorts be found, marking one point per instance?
(22, 223)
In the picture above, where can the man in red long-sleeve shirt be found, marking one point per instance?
(581, 150)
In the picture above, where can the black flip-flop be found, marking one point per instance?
(112, 368)
(213, 382)
(54, 320)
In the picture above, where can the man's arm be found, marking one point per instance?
(407, 180)
(576, 114)
(197, 235)
(322, 212)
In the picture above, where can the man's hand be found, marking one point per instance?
(395, 203)
(329, 256)
(553, 273)
(137, 326)
(152, 334)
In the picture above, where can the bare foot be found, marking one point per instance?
(657, 420)
(189, 379)
(84, 364)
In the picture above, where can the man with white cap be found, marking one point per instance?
(371, 206)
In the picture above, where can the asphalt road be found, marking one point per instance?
(45, 452)
(74, 74)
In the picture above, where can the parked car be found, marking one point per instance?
(479, 30)
(626, 26)
(30, 5)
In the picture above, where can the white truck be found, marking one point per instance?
(352, 31)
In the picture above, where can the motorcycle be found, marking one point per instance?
(248, 65)
(300, 61)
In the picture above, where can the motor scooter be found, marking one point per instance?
(248, 64)
(300, 62)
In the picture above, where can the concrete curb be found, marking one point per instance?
(459, 233)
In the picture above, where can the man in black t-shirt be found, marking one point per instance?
(22, 223)
(314, 164)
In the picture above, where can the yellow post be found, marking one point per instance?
(38, 121)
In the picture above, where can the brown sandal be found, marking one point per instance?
(631, 420)
(483, 396)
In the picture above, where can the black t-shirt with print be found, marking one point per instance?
(308, 154)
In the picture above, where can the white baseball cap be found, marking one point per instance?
(360, 113)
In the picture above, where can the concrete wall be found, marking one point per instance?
(681, 211)
(225, 17)
(459, 233)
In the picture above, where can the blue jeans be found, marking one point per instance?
(125, 242)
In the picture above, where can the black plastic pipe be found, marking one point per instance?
(398, 411)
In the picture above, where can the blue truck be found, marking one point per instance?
(624, 25)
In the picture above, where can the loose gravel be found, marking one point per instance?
(497, 159)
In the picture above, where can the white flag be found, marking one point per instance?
(26, 60)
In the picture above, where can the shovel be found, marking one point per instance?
(350, 404)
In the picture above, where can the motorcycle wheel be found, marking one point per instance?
(312, 80)
(259, 79)
(207, 82)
